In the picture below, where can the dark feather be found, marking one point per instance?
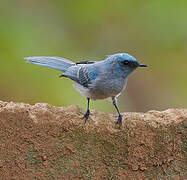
(85, 62)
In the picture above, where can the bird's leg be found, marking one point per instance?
(119, 121)
(86, 115)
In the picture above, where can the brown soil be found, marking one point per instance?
(47, 142)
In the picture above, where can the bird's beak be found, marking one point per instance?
(142, 65)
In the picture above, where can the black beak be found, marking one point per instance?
(142, 65)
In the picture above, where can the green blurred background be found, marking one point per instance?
(155, 32)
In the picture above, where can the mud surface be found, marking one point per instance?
(47, 142)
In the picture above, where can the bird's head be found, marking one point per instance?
(126, 62)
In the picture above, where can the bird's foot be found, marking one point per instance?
(86, 115)
(119, 121)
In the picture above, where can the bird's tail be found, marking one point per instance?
(51, 62)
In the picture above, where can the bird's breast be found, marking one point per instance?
(104, 88)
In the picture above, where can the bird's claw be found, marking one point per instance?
(86, 115)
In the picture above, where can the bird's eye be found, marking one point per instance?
(126, 62)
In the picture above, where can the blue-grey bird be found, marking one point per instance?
(94, 79)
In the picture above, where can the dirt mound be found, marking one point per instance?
(47, 142)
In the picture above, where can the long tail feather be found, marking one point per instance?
(51, 62)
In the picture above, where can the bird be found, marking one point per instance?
(94, 79)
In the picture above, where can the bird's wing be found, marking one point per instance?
(83, 76)
(80, 74)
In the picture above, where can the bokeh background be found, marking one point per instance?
(155, 32)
